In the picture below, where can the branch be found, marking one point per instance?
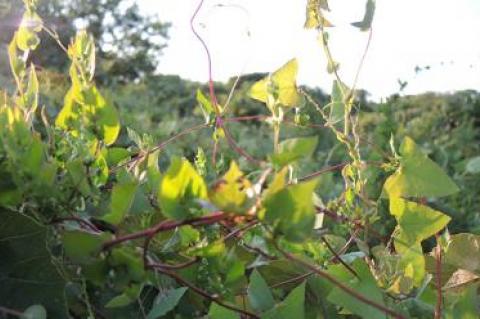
(323, 171)
(340, 285)
(338, 258)
(206, 295)
(165, 226)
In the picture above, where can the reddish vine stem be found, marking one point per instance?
(293, 280)
(345, 219)
(165, 226)
(206, 295)
(438, 269)
(324, 170)
(12, 312)
(338, 258)
(213, 97)
(339, 284)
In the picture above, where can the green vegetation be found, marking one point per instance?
(163, 198)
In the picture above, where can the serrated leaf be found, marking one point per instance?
(259, 294)
(365, 285)
(121, 201)
(166, 302)
(179, 189)
(292, 307)
(366, 23)
(282, 83)
(294, 149)
(35, 312)
(417, 176)
(230, 192)
(290, 210)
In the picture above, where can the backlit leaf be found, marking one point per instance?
(179, 189)
(230, 192)
(292, 307)
(282, 84)
(417, 176)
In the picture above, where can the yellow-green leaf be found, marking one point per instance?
(415, 221)
(230, 192)
(417, 176)
(179, 189)
(314, 15)
(281, 84)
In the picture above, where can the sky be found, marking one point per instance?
(247, 36)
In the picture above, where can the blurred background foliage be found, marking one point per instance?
(158, 106)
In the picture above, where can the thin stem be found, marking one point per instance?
(206, 295)
(338, 258)
(438, 269)
(166, 226)
(213, 97)
(340, 285)
(323, 171)
(12, 312)
(293, 280)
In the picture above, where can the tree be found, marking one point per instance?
(127, 41)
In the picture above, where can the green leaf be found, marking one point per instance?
(366, 23)
(473, 165)
(230, 192)
(81, 246)
(121, 202)
(291, 211)
(27, 274)
(165, 302)
(180, 187)
(337, 105)
(219, 312)
(416, 222)
(417, 176)
(259, 294)
(35, 312)
(292, 307)
(365, 285)
(206, 106)
(464, 252)
(282, 84)
(130, 295)
(294, 149)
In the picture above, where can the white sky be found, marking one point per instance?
(444, 34)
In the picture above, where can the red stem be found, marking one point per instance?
(340, 285)
(209, 58)
(165, 226)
